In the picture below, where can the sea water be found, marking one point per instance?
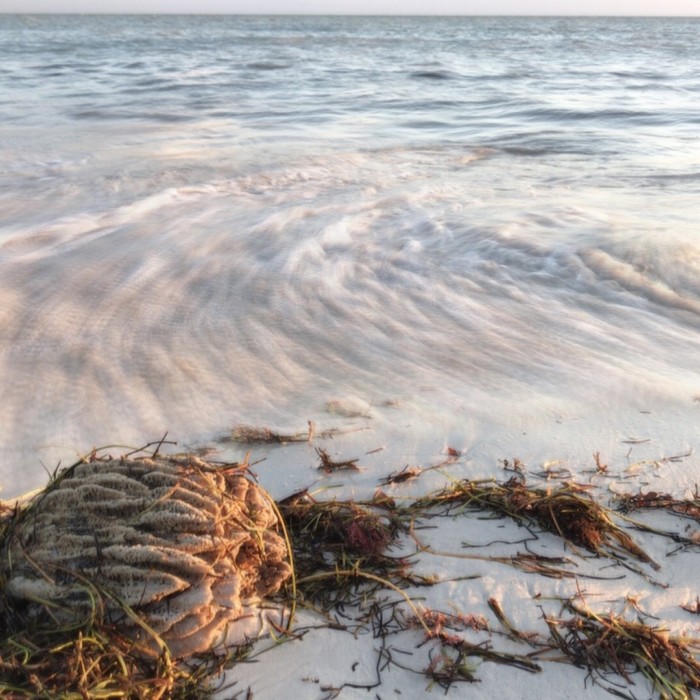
(478, 229)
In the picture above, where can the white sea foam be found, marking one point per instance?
(195, 307)
(306, 222)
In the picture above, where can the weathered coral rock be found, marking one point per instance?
(191, 548)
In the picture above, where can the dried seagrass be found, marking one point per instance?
(565, 511)
(172, 549)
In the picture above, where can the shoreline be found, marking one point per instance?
(500, 582)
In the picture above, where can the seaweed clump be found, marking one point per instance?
(611, 645)
(566, 511)
(689, 508)
(341, 546)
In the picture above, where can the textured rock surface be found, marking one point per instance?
(188, 546)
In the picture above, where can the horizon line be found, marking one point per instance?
(346, 14)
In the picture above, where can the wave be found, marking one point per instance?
(121, 114)
(267, 65)
(437, 74)
(648, 281)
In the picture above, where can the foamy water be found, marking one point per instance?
(481, 228)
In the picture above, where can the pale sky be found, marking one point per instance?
(435, 7)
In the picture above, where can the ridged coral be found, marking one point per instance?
(190, 547)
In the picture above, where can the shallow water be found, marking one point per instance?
(479, 227)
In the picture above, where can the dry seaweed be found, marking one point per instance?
(401, 476)
(609, 645)
(566, 511)
(262, 434)
(695, 608)
(327, 464)
(450, 661)
(253, 434)
(528, 562)
(685, 508)
(344, 536)
(513, 633)
(341, 560)
(95, 661)
(450, 656)
(688, 507)
(409, 473)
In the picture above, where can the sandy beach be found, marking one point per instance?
(643, 455)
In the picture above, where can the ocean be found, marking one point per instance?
(476, 234)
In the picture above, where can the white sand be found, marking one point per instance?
(328, 663)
